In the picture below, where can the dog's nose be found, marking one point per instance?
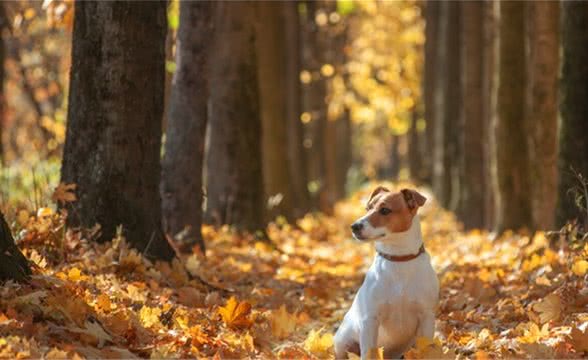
(356, 227)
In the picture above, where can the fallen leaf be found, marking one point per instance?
(549, 308)
(236, 314)
(580, 267)
(64, 193)
(579, 339)
(282, 322)
(318, 343)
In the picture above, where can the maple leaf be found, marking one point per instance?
(549, 308)
(579, 339)
(318, 343)
(236, 314)
(149, 316)
(427, 348)
(532, 333)
(64, 193)
(282, 322)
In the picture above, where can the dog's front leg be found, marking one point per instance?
(368, 337)
(426, 326)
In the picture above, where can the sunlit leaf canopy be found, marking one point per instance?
(384, 63)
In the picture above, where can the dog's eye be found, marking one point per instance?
(385, 211)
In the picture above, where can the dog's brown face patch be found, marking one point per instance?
(390, 211)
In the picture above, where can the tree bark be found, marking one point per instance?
(234, 166)
(513, 209)
(573, 143)
(296, 156)
(188, 115)
(432, 23)
(542, 35)
(447, 105)
(13, 264)
(315, 104)
(489, 99)
(473, 129)
(271, 50)
(3, 25)
(113, 143)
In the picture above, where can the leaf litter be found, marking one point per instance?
(514, 296)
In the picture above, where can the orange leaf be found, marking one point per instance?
(236, 314)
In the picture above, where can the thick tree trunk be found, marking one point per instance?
(447, 104)
(13, 264)
(234, 165)
(113, 144)
(315, 104)
(3, 25)
(296, 156)
(186, 128)
(513, 209)
(271, 50)
(416, 156)
(337, 144)
(542, 33)
(573, 142)
(337, 137)
(489, 98)
(432, 22)
(473, 129)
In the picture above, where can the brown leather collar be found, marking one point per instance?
(402, 258)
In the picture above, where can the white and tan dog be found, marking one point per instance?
(398, 298)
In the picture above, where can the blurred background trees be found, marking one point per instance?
(277, 109)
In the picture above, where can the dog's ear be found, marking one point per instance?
(413, 198)
(376, 191)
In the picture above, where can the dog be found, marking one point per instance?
(397, 301)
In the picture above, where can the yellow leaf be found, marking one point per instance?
(23, 217)
(236, 314)
(282, 322)
(427, 348)
(533, 333)
(74, 274)
(64, 193)
(549, 308)
(317, 343)
(149, 316)
(44, 212)
(103, 302)
(580, 267)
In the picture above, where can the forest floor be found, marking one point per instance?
(509, 297)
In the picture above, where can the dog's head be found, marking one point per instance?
(387, 213)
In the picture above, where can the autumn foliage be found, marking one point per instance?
(515, 296)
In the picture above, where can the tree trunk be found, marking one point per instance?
(473, 182)
(418, 171)
(186, 128)
(513, 209)
(542, 35)
(337, 137)
(3, 25)
(113, 143)
(271, 50)
(447, 105)
(234, 165)
(432, 21)
(573, 142)
(315, 104)
(13, 264)
(296, 157)
(489, 98)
